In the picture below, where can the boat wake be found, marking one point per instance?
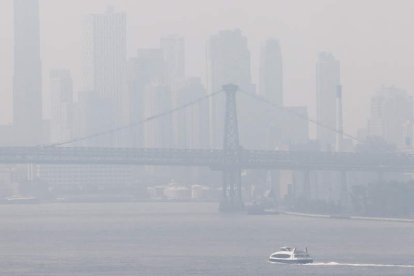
(360, 265)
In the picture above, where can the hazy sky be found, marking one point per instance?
(373, 39)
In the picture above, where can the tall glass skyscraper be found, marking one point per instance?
(271, 72)
(105, 78)
(27, 91)
(327, 85)
(173, 47)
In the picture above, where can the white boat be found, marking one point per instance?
(289, 255)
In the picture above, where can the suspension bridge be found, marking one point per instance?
(230, 160)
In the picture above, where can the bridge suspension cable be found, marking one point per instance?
(306, 118)
(132, 125)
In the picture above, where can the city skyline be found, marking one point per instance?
(299, 78)
(134, 133)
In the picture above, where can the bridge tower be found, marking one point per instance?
(232, 192)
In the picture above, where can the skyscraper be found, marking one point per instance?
(271, 72)
(228, 62)
(147, 68)
(27, 92)
(173, 47)
(327, 82)
(158, 133)
(62, 108)
(392, 117)
(190, 129)
(105, 69)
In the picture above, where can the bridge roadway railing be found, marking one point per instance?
(109, 156)
(215, 159)
(313, 160)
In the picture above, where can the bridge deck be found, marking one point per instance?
(216, 159)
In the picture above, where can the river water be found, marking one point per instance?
(191, 239)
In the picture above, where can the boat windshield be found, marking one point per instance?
(302, 255)
(281, 256)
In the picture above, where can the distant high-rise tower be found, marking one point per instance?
(158, 133)
(105, 67)
(190, 129)
(228, 62)
(62, 108)
(27, 92)
(147, 68)
(271, 72)
(392, 117)
(173, 48)
(327, 82)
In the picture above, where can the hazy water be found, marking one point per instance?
(191, 239)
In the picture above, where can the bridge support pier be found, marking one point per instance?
(344, 191)
(232, 193)
(232, 190)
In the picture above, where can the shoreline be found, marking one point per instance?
(287, 213)
(344, 217)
